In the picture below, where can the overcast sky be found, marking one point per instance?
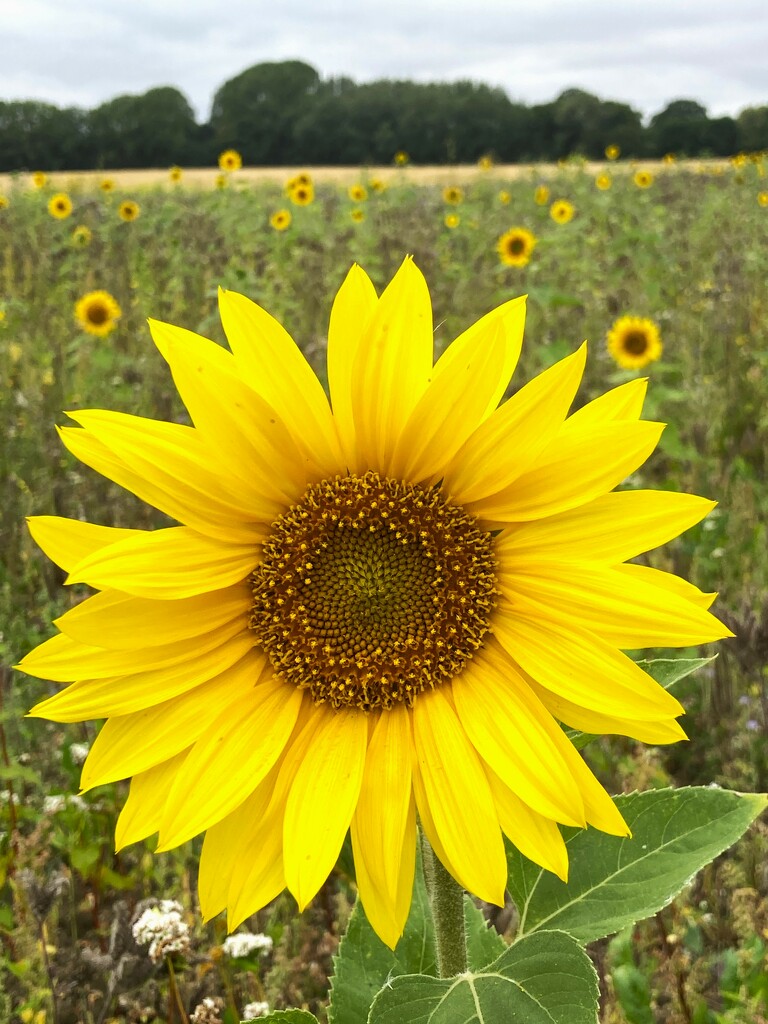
(644, 52)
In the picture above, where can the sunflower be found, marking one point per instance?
(230, 160)
(4, 202)
(357, 193)
(401, 158)
(504, 197)
(541, 195)
(643, 179)
(762, 198)
(60, 206)
(451, 220)
(603, 181)
(357, 215)
(97, 313)
(453, 195)
(221, 181)
(377, 185)
(561, 211)
(175, 174)
(669, 158)
(634, 342)
(107, 185)
(39, 179)
(368, 613)
(128, 210)
(302, 195)
(299, 181)
(612, 152)
(281, 219)
(81, 236)
(515, 247)
(485, 163)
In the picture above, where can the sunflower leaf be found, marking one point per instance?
(289, 1017)
(484, 943)
(545, 978)
(614, 882)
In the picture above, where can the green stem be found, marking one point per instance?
(446, 898)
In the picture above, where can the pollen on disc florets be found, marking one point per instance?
(371, 591)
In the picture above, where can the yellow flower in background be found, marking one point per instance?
(370, 613)
(603, 182)
(302, 195)
(504, 197)
(357, 193)
(175, 174)
(451, 220)
(60, 206)
(97, 313)
(299, 181)
(515, 247)
(669, 158)
(634, 342)
(81, 236)
(612, 152)
(453, 195)
(401, 158)
(4, 202)
(128, 210)
(377, 185)
(739, 160)
(221, 181)
(39, 179)
(2, 316)
(643, 179)
(762, 198)
(485, 163)
(561, 211)
(541, 195)
(107, 185)
(281, 219)
(230, 160)
(357, 215)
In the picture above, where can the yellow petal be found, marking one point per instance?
(322, 801)
(537, 837)
(644, 574)
(244, 433)
(119, 621)
(130, 744)
(514, 733)
(459, 797)
(393, 365)
(124, 695)
(168, 564)
(579, 666)
(273, 365)
(68, 541)
(352, 309)
(599, 808)
(230, 759)
(572, 470)
(609, 529)
(622, 403)
(143, 810)
(509, 442)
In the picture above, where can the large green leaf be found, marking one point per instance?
(614, 882)
(545, 978)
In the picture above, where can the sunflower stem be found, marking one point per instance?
(446, 898)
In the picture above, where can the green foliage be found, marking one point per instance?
(290, 1017)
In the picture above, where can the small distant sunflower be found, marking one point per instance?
(643, 179)
(634, 342)
(603, 182)
(762, 198)
(505, 198)
(60, 206)
(357, 215)
(485, 163)
(4, 202)
(175, 174)
(377, 185)
(739, 160)
(541, 195)
(221, 181)
(357, 193)
(281, 219)
(128, 210)
(2, 316)
(81, 236)
(561, 211)
(669, 158)
(401, 158)
(612, 152)
(451, 220)
(302, 195)
(515, 247)
(301, 180)
(107, 185)
(39, 179)
(230, 160)
(453, 195)
(97, 313)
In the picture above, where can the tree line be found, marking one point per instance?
(284, 113)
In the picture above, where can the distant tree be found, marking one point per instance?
(722, 137)
(682, 127)
(151, 130)
(753, 129)
(34, 134)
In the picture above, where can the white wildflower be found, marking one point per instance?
(255, 1009)
(208, 1012)
(163, 930)
(245, 943)
(78, 752)
(58, 801)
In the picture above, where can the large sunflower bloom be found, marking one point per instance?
(372, 608)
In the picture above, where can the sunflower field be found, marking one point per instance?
(661, 268)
